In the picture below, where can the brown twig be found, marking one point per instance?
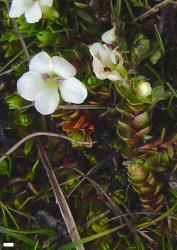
(11, 70)
(153, 10)
(23, 44)
(36, 134)
(94, 107)
(130, 214)
(60, 199)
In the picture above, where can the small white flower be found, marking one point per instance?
(31, 8)
(45, 77)
(109, 36)
(144, 89)
(106, 62)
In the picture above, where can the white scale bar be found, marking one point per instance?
(8, 244)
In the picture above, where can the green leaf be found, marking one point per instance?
(50, 13)
(84, 15)
(35, 231)
(158, 92)
(140, 48)
(173, 192)
(137, 3)
(159, 40)
(156, 55)
(174, 91)
(81, 5)
(28, 146)
(18, 236)
(5, 168)
(14, 101)
(160, 218)
(88, 239)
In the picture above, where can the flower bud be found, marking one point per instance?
(109, 36)
(144, 89)
(70, 182)
(45, 36)
(91, 80)
(24, 120)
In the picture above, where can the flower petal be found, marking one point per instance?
(72, 90)
(116, 57)
(114, 76)
(47, 3)
(101, 52)
(62, 67)
(34, 14)
(29, 84)
(41, 63)
(19, 7)
(98, 69)
(109, 36)
(47, 100)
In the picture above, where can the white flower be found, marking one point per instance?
(109, 36)
(106, 62)
(144, 89)
(45, 77)
(31, 8)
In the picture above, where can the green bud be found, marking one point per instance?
(103, 221)
(24, 120)
(45, 36)
(91, 80)
(137, 171)
(71, 182)
(105, 246)
(144, 89)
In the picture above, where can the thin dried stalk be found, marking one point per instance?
(19, 35)
(153, 10)
(36, 134)
(60, 199)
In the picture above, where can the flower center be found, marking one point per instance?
(59, 79)
(110, 46)
(52, 80)
(107, 69)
